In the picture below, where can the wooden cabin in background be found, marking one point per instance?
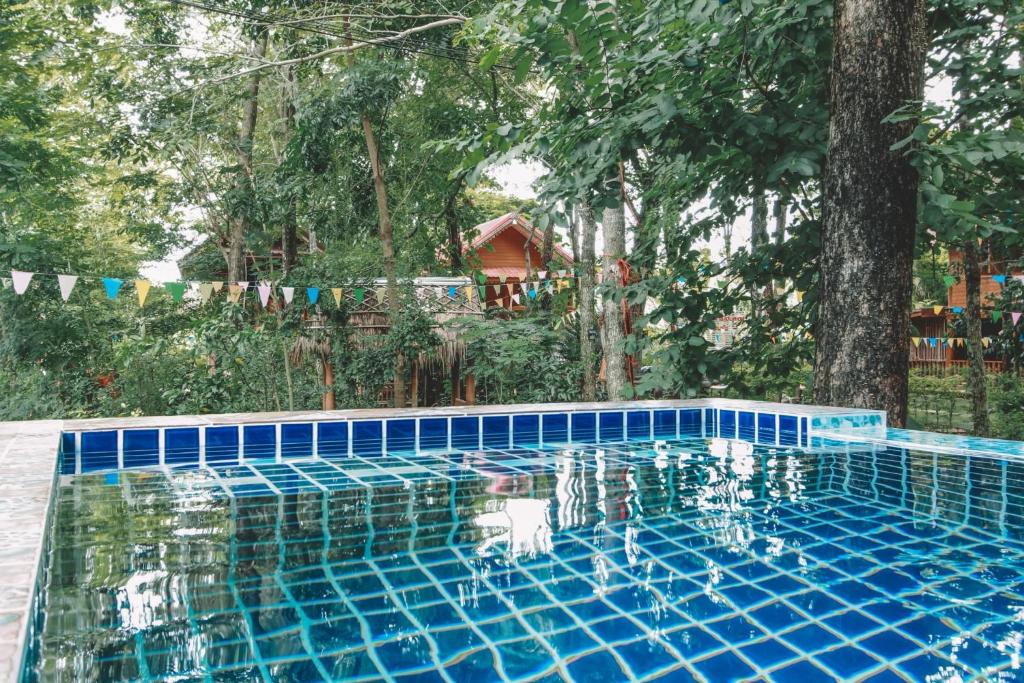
(507, 250)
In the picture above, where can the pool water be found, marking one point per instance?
(686, 560)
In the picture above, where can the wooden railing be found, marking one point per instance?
(943, 368)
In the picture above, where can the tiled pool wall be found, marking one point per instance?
(94, 450)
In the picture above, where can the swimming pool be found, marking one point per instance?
(680, 557)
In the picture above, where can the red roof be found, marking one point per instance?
(494, 227)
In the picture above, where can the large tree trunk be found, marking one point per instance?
(976, 375)
(388, 251)
(588, 233)
(758, 240)
(613, 222)
(240, 222)
(869, 208)
(451, 221)
(289, 233)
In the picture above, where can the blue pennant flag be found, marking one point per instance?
(1001, 279)
(113, 286)
(532, 293)
(451, 292)
(314, 295)
(932, 341)
(958, 309)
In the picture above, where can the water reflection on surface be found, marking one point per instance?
(698, 559)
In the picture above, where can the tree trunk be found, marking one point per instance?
(451, 220)
(240, 221)
(547, 251)
(387, 245)
(588, 232)
(613, 223)
(386, 239)
(289, 234)
(976, 375)
(758, 240)
(869, 208)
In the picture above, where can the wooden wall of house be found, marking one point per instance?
(990, 289)
(507, 252)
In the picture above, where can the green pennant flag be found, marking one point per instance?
(483, 293)
(360, 293)
(996, 315)
(175, 289)
(949, 280)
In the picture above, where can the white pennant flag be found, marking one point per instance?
(288, 293)
(264, 291)
(67, 283)
(243, 285)
(20, 279)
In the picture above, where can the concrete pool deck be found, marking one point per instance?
(29, 469)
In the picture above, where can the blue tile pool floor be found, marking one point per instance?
(688, 560)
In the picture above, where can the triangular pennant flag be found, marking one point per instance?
(217, 286)
(496, 289)
(561, 273)
(451, 292)
(175, 289)
(336, 291)
(234, 293)
(532, 293)
(1019, 278)
(483, 293)
(515, 298)
(66, 284)
(264, 293)
(938, 309)
(996, 315)
(958, 310)
(916, 341)
(468, 289)
(20, 280)
(550, 286)
(205, 291)
(1000, 279)
(288, 293)
(799, 296)
(541, 274)
(381, 293)
(502, 279)
(142, 290)
(313, 294)
(113, 286)
(932, 341)
(360, 295)
(1015, 316)
(985, 341)
(950, 280)
(681, 280)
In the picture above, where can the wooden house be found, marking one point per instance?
(507, 250)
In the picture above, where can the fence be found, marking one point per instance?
(947, 368)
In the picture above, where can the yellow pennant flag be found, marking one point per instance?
(938, 309)
(217, 286)
(142, 289)
(799, 296)
(916, 340)
(336, 291)
(205, 291)
(234, 291)
(381, 293)
(469, 292)
(985, 341)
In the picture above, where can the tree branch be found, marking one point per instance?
(338, 50)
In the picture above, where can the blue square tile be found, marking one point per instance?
(67, 453)
(556, 428)
(610, 426)
(401, 435)
(99, 450)
(746, 426)
(664, 424)
(296, 439)
(766, 427)
(584, 427)
(331, 439)
(724, 667)
(727, 424)
(638, 424)
(810, 638)
(221, 445)
(141, 447)
(803, 432)
(434, 433)
(466, 432)
(787, 430)
(848, 662)
(888, 645)
(259, 442)
(525, 430)
(181, 446)
(769, 653)
(496, 431)
(710, 420)
(367, 437)
(689, 422)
